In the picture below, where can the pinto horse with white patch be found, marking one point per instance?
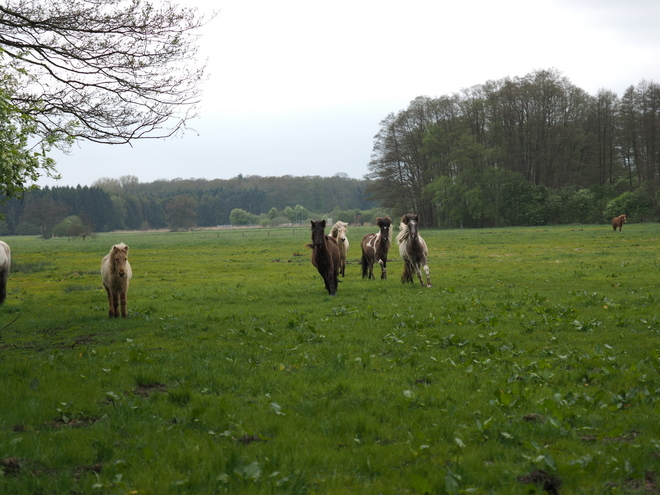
(413, 250)
(5, 265)
(338, 231)
(618, 222)
(325, 256)
(375, 248)
(116, 273)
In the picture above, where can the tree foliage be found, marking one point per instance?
(106, 71)
(126, 203)
(518, 151)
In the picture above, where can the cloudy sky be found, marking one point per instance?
(299, 88)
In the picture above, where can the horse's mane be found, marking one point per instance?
(404, 234)
(334, 232)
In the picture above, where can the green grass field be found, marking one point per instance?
(531, 366)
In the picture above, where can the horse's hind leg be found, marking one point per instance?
(428, 276)
(3, 286)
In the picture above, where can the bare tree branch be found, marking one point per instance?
(108, 71)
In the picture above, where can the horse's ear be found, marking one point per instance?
(416, 218)
(126, 249)
(312, 222)
(323, 222)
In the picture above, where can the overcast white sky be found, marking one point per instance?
(299, 87)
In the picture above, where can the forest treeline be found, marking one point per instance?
(127, 204)
(528, 150)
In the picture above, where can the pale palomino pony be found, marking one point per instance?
(5, 265)
(413, 250)
(338, 231)
(116, 273)
(375, 248)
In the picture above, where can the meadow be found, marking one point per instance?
(531, 366)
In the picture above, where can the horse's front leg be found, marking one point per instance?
(112, 305)
(428, 276)
(122, 299)
(383, 268)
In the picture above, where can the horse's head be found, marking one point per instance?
(120, 257)
(411, 220)
(624, 219)
(341, 231)
(385, 225)
(318, 232)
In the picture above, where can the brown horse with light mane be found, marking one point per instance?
(375, 248)
(618, 222)
(325, 256)
(116, 273)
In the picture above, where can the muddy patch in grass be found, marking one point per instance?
(146, 390)
(539, 477)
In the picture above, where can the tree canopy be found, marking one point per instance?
(105, 71)
(521, 151)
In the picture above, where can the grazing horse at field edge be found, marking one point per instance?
(338, 231)
(5, 265)
(413, 250)
(116, 273)
(618, 222)
(325, 256)
(375, 248)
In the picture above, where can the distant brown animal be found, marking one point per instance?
(618, 222)
(116, 273)
(325, 256)
(375, 248)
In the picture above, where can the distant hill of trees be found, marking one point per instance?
(127, 204)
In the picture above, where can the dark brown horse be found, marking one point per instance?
(375, 248)
(618, 222)
(325, 256)
(413, 250)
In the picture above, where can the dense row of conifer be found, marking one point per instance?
(125, 203)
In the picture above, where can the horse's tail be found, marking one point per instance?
(407, 275)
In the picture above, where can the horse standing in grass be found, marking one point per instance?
(325, 256)
(116, 273)
(413, 250)
(618, 222)
(338, 231)
(5, 265)
(375, 248)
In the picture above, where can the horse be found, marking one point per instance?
(375, 247)
(5, 265)
(338, 231)
(116, 274)
(325, 256)
(413, 250)
(618, 222)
